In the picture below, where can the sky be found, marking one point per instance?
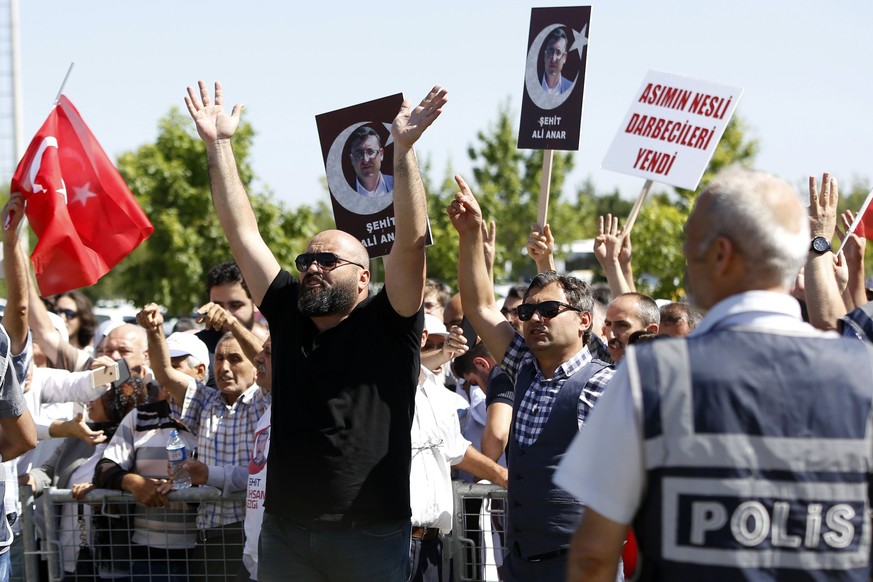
(801, 64)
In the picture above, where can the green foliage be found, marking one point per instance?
(657, 242)
(507, 185)
(442, 255)
(169, 179)
(657, 235)
(735, 147)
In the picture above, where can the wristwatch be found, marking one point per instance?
(820, 245)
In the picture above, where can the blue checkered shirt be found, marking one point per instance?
(535, 407)
(225, 436)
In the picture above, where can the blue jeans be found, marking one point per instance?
(325, 552)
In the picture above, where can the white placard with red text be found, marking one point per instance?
(672, 129)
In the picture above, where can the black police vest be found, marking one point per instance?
(758, 452)
(541, 516)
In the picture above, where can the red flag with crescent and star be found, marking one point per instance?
(86, 218)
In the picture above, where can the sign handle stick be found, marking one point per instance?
(545, 186)
(632, 217)
(856, 222)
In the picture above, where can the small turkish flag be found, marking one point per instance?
(79, 206)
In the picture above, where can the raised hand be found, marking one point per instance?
(150, 317)
(823, 206)
(464, 211)
(11, 216)
(213, 122)
(215, 316)
(541, 247)
(411, 123)
(609, 246)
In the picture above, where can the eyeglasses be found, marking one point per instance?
(368, 153)
(327, 261)
(555, 53)
(67, 313)
(507, 312)
(548, 309)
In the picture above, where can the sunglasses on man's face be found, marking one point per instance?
(326, 261)
(547, 309)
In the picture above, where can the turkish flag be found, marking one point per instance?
(865, 224)
(79, 206)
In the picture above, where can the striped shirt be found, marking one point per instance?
(225, 436)
(533, 412)
(139, 446)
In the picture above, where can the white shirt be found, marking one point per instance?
(473, 424)
(604, 466)
(385, 185)
(437, 444)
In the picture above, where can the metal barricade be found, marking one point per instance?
(477, 544)
(109, 534)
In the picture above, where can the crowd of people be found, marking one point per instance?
(676, 440)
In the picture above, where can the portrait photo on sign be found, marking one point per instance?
(358, 159)
(554, 78)
(558, 69)
(367, 157)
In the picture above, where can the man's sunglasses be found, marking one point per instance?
(548, 309)
(327, 261)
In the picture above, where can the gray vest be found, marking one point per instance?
(542, 517)
(758, 452)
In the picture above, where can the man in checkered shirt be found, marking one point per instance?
(557, 382)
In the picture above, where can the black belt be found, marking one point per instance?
(546, 556)
(425, 534)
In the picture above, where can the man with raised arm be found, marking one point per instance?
(744, 450)
(337, 502)
(17, 429)
(557, 382)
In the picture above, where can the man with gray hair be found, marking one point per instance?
(734, 463)
(626, 314)
(678, 319)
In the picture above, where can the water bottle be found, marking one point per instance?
(177, 453)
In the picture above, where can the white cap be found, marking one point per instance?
(182, 343)
(434, 326)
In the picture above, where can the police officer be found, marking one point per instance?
(743, 451)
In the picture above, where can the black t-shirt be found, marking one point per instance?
(500, 387)
(343, 402)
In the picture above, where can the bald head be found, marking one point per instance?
(763, 217)
(128, 341)
(341, 243)
(453, 313)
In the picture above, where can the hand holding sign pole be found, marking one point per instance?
(671, 131)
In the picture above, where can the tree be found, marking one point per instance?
(507, 185)
(171, 182)
(658, 261)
